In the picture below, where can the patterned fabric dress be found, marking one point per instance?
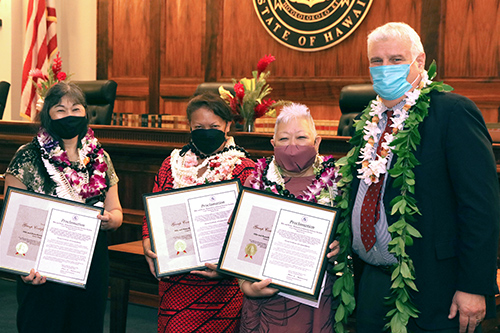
(278, 314)
(190, 303)
(54, 307)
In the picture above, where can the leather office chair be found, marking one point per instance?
(4, 92)
(213, 87)
(353, 100)
(100, 96)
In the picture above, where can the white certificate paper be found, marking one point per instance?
(55, 237)
(282, 239)
(187, 227)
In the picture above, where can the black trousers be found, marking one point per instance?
(58, 308)
(374, 286)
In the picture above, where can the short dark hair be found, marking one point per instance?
(212, 102)
(53, 97)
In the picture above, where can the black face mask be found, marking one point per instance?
(208, 140)
(69, 127)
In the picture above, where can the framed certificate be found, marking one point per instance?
(54, 236)
(279, 238)
(187, 226)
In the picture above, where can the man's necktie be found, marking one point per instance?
(370, 211)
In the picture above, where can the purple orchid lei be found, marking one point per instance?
(325, 177)
(91, 157)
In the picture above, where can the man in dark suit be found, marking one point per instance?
(455, 187)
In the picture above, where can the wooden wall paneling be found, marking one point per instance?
(155, 11)
(175, 106)
(130, 105)
(103, 19)
(213, 30)
(218, 40)
(184, 29)
(472, 43)
(183, 55)
(302, 76)
(129, 54)
(129, 39)
(431, 33)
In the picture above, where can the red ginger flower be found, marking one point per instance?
(57, 65)
(61, 76)
(239, 90)
(262, 108)
(263, 63)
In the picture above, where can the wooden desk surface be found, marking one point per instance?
(132, 247)
(126, 261)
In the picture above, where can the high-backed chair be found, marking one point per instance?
(353, 100)
(100, 96)
(4, 93)
(213, 87)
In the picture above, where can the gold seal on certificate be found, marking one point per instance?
(180, 246)
(21, 249)
(250, 250)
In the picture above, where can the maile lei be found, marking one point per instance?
(402, 143)
(268, 176)
(185, 167)
(75, 181)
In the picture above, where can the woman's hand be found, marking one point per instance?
(34, 278)
(109, 221)
(334, 251)
(112, 217)
(258, 289)
(210, 273)
(149, 255)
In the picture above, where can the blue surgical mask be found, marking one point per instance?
(389, 81)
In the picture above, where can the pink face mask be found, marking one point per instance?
(295, 158)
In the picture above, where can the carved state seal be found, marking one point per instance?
(311, 25)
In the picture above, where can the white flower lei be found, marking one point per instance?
(219, 167)
(373, 165)
(71, 184)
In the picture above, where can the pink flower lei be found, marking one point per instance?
(325, 177)
(80, 182)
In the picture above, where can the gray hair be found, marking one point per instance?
(295, 111)
(399, 31)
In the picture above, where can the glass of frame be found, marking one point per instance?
(187, 226)
(284, 239)
(54, 236)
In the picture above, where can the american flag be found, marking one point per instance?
(40, 48)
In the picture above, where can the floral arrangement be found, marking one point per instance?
(249, 103)
(54, 75)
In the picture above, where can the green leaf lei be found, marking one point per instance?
(404, 206)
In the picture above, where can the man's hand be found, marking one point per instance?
(334, 251)
(471, 309)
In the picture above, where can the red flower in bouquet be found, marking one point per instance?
(263, 63)
(54, 75)
(263, 107)
(61, 76)
(239, 90)
(249, 104)
(57, 65)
